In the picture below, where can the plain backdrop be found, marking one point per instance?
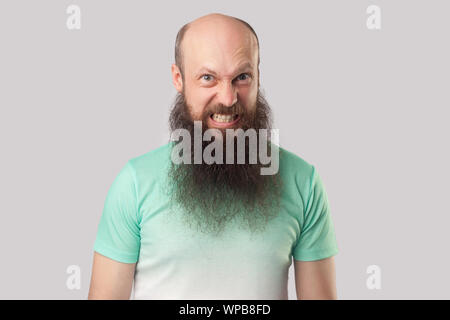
(369, 108)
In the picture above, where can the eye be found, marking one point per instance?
(243, 76)
(207, 77)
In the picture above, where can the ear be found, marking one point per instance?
(177, 78)
(258, 78)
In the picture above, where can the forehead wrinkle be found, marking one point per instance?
(220, 58)
(206, 69)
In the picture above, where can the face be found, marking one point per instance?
(219, 72)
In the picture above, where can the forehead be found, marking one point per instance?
(221, 45)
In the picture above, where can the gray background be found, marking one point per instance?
(368, 108)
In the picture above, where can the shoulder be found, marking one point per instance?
(291, 163)
(296, 173)
(152, 162)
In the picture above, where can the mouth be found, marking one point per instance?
(224, 120)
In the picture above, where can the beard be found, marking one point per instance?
(213, 195)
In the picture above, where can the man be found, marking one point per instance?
(215, 230)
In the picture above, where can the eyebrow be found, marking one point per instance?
(204, 70)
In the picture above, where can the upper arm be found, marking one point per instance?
(317, 239)
(118, 232)
(315, 280)
(117, 245)
(110, 279)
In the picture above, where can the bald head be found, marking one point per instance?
(213, 27)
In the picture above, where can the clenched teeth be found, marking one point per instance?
(224, 117)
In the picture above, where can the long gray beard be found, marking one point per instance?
(213, 195)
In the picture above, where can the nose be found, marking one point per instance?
(227, 94)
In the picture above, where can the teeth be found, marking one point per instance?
(223, 117)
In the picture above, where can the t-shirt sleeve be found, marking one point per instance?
(317, 238)
(118, 233)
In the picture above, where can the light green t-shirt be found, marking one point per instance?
(175, 262)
